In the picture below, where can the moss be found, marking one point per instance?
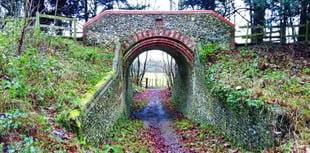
(70, 120)
(74, 114)
(86, 98)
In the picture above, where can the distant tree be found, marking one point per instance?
(37, 6)
(223, 7)
(120, 4)
(89, 8)
(197, 4)
(171, 5)
(283, 13)
(13, 8)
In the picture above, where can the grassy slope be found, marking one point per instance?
(39, 84)
(258, 78)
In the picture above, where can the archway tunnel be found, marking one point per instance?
(183, 57)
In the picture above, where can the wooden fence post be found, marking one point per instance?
(247, 35)
(270, 33)
(307, 31)
(146, 82)
(37, 25)
(74, 27)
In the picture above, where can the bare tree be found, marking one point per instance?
(27, 12)
(169, 68)
(138, 70)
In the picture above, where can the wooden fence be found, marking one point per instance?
(273, 33)
(71, 28)
(68, 30)
(153, 82)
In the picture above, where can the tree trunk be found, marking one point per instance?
(283, 23)
(144, 69)
(305, 8)
(25, 24)
(86, 15)
(138, 72)
(258, 19)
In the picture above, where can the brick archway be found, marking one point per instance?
(172, 42)
(178, 36)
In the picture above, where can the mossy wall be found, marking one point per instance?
(100, 115)
(106, 105)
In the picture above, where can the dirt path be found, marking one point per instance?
(158, 121)
(169, 131)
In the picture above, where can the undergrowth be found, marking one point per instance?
(42, 81)
(262, 79)
(128, 135)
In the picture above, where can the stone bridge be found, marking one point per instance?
(179, 33)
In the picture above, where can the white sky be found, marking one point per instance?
(157, 5)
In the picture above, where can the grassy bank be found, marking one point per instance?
(41, 82)
(265, 78)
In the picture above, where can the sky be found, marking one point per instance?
(157, 5)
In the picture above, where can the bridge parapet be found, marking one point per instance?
(197, 26)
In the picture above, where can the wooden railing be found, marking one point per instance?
(273, 33)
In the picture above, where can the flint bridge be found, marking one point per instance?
(179, 33)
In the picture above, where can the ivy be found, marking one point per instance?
(208, 50)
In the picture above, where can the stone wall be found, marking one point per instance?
(181, 89)
(105, 106)
(248, 128)
(100, 115)
(199, 26)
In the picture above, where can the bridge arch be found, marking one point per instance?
(179, 46)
